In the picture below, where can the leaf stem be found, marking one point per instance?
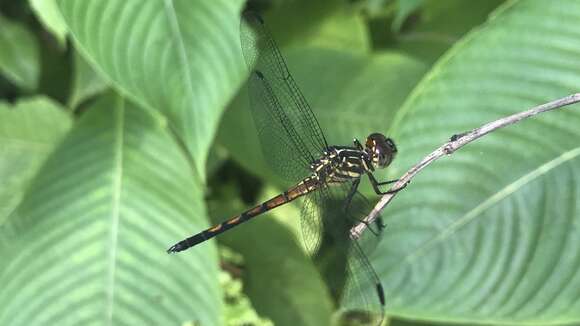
(456, 142)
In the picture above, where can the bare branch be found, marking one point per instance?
(456, 142)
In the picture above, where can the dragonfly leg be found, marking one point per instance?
(348, 201)
(351, 194)
(387, 182)
(369, 227)
(357, 144)
(376, 185)
(380, 224)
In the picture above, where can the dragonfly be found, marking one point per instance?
(325, 177)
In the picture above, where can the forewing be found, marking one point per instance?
(280, 142)
(281, 113)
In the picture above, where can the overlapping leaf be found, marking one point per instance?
(181, 58)
(440, 25)
(86, 82)
(29, 130)
(87, 243)
(19, 55)
(49, 15)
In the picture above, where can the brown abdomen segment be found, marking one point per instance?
(306, 186)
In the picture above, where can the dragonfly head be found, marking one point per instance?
(381, 149)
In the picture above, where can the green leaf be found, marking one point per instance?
(441, 24)
(401, 322)
(49, 15)
(490, 235)
(181, 58)
(86, 82)
(29, 130)
(404, 9)
(329, 24)
(352, 95)
(87, 244)
(376, 7)
(340, 29)
(19, 57)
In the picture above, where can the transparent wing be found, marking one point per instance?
(344, 263)
(288, 130)
(363, 298)
(311, 223)
(282, 146)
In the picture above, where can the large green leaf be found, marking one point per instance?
(490, 235)
(19, 57)
(29, 130)
(181, 58)
(87, 244)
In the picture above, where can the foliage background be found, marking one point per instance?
(123, 128)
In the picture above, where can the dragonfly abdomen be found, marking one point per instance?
(304, 187)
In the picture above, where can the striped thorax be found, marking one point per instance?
(339, 164)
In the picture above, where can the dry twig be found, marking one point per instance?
(456, 142)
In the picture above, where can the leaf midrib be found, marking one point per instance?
(182, 55)
(115, 202)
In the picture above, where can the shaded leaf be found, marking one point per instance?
(404, 9)
(87, 244)
(376, 7)
(19, 57)
(86, 82)
(340, 30)
(441, 24)
(29, 130)
(328, 24)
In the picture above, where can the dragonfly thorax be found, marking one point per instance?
(340, 164)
